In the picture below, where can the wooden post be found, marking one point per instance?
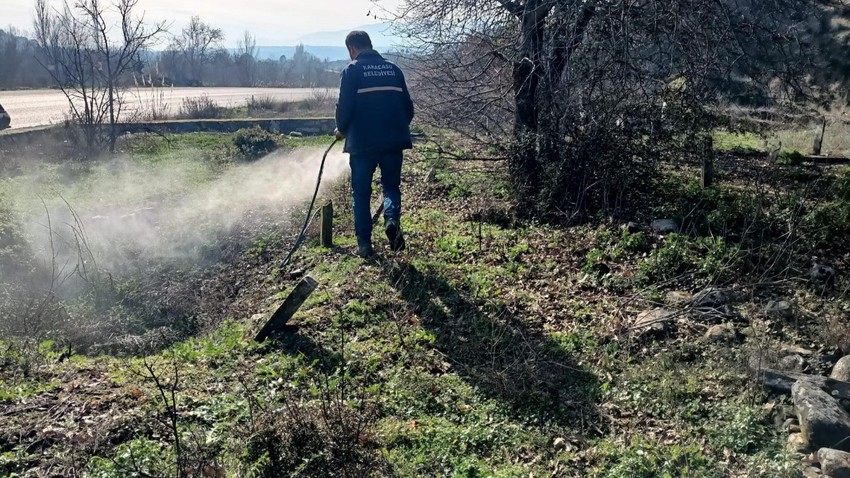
(289, 307)
(708, 163)
(818, 143)
(328, 225)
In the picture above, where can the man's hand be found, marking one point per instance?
(339, 135)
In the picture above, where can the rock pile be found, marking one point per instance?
(821, 431)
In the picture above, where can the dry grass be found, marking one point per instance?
(836, 141)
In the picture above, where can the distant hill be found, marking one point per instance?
(381, 34)
(330, 45)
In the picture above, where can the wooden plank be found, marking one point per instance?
(783, 381)
(289, 307)
(327, 233)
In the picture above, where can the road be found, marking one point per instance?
(42, 107)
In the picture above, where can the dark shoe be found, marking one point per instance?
(366, 251)
(395, 236)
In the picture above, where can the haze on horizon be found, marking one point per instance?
(273, 22)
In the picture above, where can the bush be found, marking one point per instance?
(139, 457)
(266, 103)
(597, 169)
(827, 225)
(709, 211)
(319, 100)
(708, 258)
(254, 143)
(633, 242)
(12, 241)
(790, 157)
(201, 107)
(841, 187)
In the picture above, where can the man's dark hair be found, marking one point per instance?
(358, 39)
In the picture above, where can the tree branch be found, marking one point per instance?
(513, 7)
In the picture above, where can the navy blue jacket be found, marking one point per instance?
(374, 109)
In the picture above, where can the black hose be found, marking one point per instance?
(310, 213)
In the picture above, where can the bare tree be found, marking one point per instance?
(246, 59)
(593, 93)
(196, 45)
(87, 59)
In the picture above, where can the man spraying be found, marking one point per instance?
(373, 115)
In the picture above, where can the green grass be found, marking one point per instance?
(836, 140)
(726, 141)
(483, 351)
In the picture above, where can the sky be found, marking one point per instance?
(273, 22)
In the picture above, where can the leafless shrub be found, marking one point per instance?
(324, 430)
(154, 105)
(588, 97)
(319, 99)
(201, 107)
(835, 330)
(266, 103)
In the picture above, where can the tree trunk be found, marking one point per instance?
(527, 73)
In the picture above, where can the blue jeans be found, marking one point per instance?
(362, 170)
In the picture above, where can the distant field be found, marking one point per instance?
(41, 107)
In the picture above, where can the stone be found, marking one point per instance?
(811, 472)
(783, 415)
(841, 371)
(780, 309)
(797, 443)
(653, 322)
(712, 298)
(722, 333)
(432, 175)
(834, 463)
(678, 298)
(789, 425)
(559, 443)
(296, 134)
(633, 227)
(822, 275)
(795, 349)
(664, 226)
(823, 422)
(792, 363)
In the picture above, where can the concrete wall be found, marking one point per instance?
(17, 138)
(306, 126)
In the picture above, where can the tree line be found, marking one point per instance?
(194, 56)
(94, 50)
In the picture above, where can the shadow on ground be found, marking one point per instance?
(497, 353)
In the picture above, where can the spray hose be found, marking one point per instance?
(310, 213)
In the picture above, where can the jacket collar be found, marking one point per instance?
(367, 53)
